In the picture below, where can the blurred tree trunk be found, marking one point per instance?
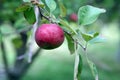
(21, 66)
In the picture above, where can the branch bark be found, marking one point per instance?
(22, 65)
(32, 42)
(25, 66)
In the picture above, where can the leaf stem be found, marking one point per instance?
(76, 62)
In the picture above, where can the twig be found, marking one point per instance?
(49, 18)
(42, 15)
(25, 65)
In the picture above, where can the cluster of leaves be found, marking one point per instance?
(8, 10)
(86, 15)
(75, 36)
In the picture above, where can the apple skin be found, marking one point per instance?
(49, 36)
(73, 17)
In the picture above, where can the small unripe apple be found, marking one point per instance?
(73, 17)
(49, 36)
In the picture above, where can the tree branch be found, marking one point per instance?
(42, 15)
(32, 42)
(26, 65)
(22, 66)
(19, 72)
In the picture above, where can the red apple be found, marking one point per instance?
(49, 36)
(73, 17)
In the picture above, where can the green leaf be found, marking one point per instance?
(71, 45)
(95, 34)
(63, 10)
(30, 15)
(27, 0)
(21, 24)
(93, 69)
(51, 5)
(97, 39)
(23, 7)
(86, 37)
(67, 27)
(88, 14)
(79, 67)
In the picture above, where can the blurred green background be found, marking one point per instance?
(58, 64)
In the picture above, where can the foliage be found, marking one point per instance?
(51, 13)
